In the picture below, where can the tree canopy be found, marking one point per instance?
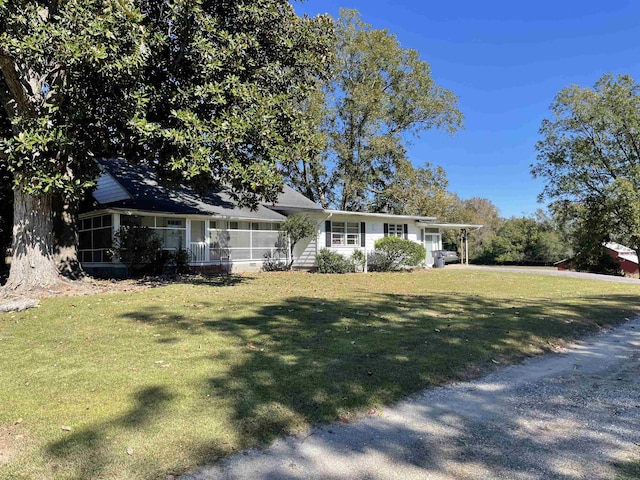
(524, 241)
(376, 96)
(589, 157)
(207, 92)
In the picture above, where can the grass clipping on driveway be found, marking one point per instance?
(146, 384)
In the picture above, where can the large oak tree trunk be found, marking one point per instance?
(32, 264)
(65, 229)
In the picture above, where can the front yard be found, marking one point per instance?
(146, 384)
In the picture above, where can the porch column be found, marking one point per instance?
(115, 228)
(207, 241)
(188, 234)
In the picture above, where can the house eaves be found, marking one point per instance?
(379, 215)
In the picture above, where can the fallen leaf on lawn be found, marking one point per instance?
(437, 330)
(129, 451)
(158, 362)
(353, 343)
(65, 428)
(495, 361)
(18, 421)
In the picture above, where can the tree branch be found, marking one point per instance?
(19, 103)
(605, 162)
(634, 144)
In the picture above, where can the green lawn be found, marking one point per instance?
(159, 381)
(628, 470)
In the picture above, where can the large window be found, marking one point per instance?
(238, 240)
(95, 239)
(172, 231)
(345, 234)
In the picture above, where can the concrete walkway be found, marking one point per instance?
(568, 416)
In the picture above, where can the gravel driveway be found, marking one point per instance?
(569, 415)
(556, 273)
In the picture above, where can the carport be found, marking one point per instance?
(464, 228)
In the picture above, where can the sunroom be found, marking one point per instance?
(210, 226)
(234, 244)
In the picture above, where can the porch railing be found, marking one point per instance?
(198, 251)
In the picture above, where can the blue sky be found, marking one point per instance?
(505, 61)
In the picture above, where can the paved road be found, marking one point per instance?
(565, 416)
(557, 273)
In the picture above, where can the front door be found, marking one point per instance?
(198, 245)
(431, 243)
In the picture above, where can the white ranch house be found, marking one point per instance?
(218, 234)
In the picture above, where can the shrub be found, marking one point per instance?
(359, 260)
(140, 249)
(180, 260)
(394, 253)
(332, 262)
(274, 263)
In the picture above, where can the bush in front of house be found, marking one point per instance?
(358, 260)
(273, 262)
(140, 249)
(395, 253)
(333, 262)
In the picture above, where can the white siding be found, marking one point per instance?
(305, 253)
(374, 230)
(109, 190)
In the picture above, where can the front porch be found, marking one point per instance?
(229, 244)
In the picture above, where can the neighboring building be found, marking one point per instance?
(626, 257)
(219, 234)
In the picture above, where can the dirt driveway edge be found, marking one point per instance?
(570, 415)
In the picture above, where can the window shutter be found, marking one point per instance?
(422, 235)
(327, 229)
(386, 229)
(362, 235)
(406, 231)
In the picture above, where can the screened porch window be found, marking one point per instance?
(345, 234)
(95, 239)
(239, 240)
(172, 231)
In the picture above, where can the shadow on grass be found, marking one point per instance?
(306, 361)
(313, 361)
(628, 470)
(208, 280)
(85, 449)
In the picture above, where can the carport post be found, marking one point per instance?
(466, 246)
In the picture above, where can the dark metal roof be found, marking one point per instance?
(148, 194)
